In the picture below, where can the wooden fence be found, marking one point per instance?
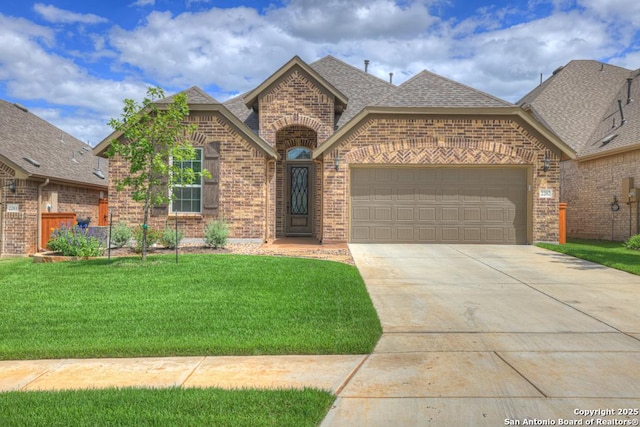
(53, 220)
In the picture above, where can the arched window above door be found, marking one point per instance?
(299, 153)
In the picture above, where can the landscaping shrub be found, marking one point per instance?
(120, 235)
(168, 238)
(216, 233)
(633, 242)
(77, 241)
(152, 237)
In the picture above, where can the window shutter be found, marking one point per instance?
(161, 210)
(211, 187)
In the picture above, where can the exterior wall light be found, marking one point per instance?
(336, 162)
(12, 186)
(546, 165)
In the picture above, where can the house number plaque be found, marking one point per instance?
(546, 193)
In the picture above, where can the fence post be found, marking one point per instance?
(562, 239)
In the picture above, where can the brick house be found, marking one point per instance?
(594, 108)
(43, 171)
(330, 151)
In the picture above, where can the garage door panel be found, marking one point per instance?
(405, 214)
(439, 205)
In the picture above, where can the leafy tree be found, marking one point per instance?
(153, 138)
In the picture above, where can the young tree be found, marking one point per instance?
(153, 138)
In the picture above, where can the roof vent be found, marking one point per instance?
(629, 81)
(21, 107)
(98, 172)
(366, 65)
(622, 120)
(33, 162)
(73, 157)
(607, 139)
(391, 78)
(557, 70)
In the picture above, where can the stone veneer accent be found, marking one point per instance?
(588, 188)
(422, 140)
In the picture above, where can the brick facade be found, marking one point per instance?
(242, 188)
(19, 230)
(588, 188)
(442, 141)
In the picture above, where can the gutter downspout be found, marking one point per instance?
(39, 218)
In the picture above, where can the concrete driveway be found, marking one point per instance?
(494, 335)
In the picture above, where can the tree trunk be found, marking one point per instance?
(145, 218)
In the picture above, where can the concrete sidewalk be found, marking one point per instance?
(229, 372)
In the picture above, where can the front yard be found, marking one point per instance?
(611, 254)
(205, 305)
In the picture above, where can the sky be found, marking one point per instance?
(74, 62)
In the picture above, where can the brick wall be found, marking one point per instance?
(443, 141)
(242, 189)
(19, 230)
(588, 188)
(296, 100)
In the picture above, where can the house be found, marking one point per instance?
(330, 151)
(593, 107)
(44, 171)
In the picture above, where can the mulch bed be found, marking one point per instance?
(327, 253)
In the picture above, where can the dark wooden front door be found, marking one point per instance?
(299, 201)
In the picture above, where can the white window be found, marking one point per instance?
(188, 198)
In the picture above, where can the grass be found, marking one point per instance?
(165, 407)
(205, 305)
(611, 254)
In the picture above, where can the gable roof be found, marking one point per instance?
(575, 98)
(53, 153)
(512, 111)
(427, 89)
(199, 100)
(251, 98)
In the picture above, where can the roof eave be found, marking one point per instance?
(439, 111)
(254, 139)
(609, 152)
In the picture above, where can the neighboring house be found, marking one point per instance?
(43, 170)
(330, 151)
(595, 109)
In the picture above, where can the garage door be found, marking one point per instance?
(439, 205)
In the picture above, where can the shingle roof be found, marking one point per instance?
(195, 95)
(427, 89)
(362, 89)
(60, 156)
(242, 112)
(575, 98)
(619, 135)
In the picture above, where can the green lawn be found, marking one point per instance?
(205, 305)
(611, 254)
(168, 407)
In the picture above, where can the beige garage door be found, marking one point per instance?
(438, 205)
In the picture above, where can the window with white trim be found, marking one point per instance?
(188, 198)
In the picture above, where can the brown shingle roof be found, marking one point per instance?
(574, 99)
(610, 127)
(60, 156)
(362, 89)
(195, 95)
(427, 89)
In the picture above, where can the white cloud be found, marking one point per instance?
(60, 16)
(142, 3)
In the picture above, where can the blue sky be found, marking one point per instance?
(73, 63)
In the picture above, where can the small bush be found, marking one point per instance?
(633, 242)
(152, 237)
(168, 238)
(120, 235)
(216, 233)
(76, 241)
